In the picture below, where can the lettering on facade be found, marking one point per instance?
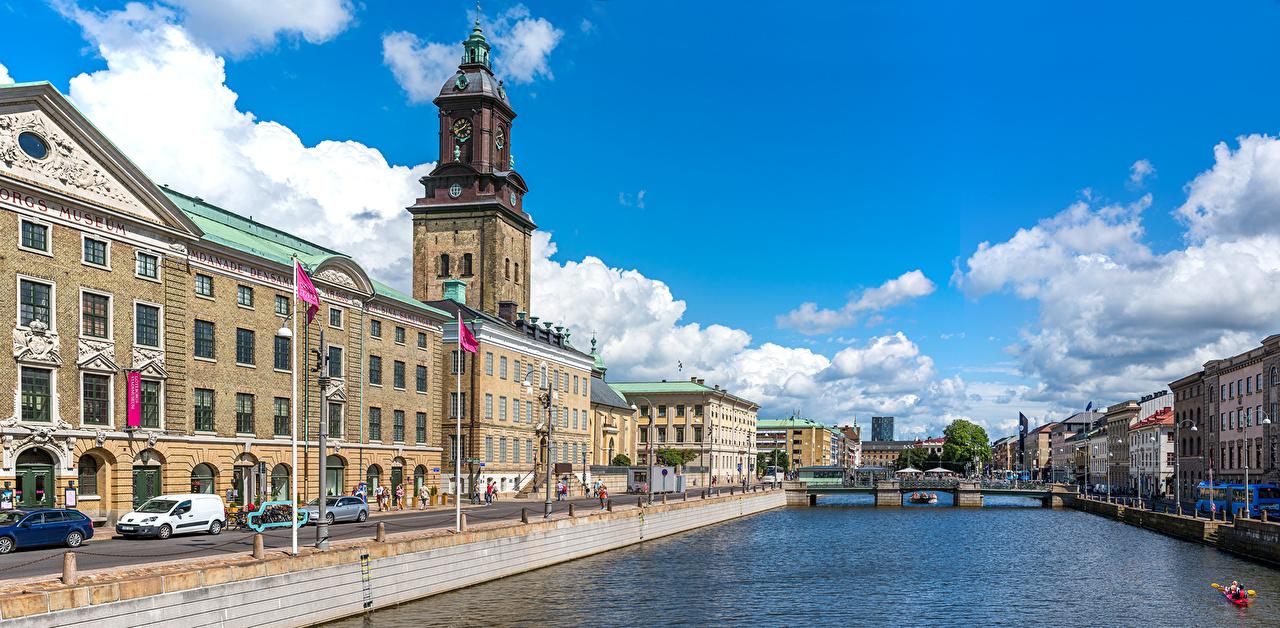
(235, 266)
(101, 222)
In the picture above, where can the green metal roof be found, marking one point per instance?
(229, 229)
(794, 422)
(661, 387)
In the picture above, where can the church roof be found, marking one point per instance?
(604, 394)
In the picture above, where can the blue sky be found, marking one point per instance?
(785, 158)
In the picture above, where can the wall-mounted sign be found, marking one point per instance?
(133, 399)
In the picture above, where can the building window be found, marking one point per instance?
(204, 285)
(148, 266)
(244, 346)
(375, 423)
(87, 475)
(662, 411)
(466, 265)
(335, 317)
(244, 413)
(502, 449)
(335, 419)
(283, 359)
(95, 252)
(662, 433)
(679, 409)
(335, 361)
(280, 420)
(399, 337)
(457, 363)
(488, 449)
(444, 265)
(150, 403)
(397, 375)
(375, 370)
(488, 405)
(35, 236)
(95, 315)
(644, 411)
(488, 363)
(697, 433)
(679, 434)
(422, 340)
(517, 272)
(502, 367)
(204, 409)
(502, 408)
(95, 408)
(457, 405)
(697, 410)
(397, 426)
(244, 296)
(420, 427)
(146, 325)
(506, 268)
(35, 303)
(420, 379)
(282, 305)
(375, 328)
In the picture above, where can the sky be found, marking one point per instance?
(927, 210)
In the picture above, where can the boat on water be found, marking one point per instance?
(920, 497)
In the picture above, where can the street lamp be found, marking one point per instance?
(1177, 460)
(651, 431)
(322, 378)
(546, 397)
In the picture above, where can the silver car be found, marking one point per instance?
(338, 508)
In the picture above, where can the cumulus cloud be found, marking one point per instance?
(163, 99)
(627, 200)
(5, 79)
(419, 67)
(1117, 319)
(1139, 171)
(810, 319)
(523, 43)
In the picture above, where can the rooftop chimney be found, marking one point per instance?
(507, 311)
(455, 290)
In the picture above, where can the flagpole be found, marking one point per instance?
(293, 414)
(457, 439)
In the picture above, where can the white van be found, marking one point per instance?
(167, 515)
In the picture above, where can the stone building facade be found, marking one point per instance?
(1188, 413)
(1119, 417)
(124, 294)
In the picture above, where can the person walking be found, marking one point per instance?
(603, 494)
(377, 496)
(488, 493)
(400, 497)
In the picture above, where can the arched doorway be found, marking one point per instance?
(373, 477)
(280, 483)
(334, 471)
(203, 478)
(609, 456)
(246, 481)
(146, 476)
(419, 483)
(397, 476)
(34, 472)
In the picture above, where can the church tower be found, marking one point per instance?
(470, 224)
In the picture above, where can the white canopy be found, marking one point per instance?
(939, 470)
(910, 471)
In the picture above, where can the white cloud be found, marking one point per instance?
(522, 44)
(586, 26)
(1139, 171)
(1117, 319)
(5, 79)
(809, 319)
(163, 99)
(627, 200)
(419, 67)
(238, 27)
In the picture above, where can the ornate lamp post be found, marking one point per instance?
(648, 442)
(546, 396)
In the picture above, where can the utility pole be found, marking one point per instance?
(322, 370)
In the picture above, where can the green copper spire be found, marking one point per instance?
(599, 365)
(475, 50)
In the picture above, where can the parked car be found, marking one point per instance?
(338, 508)
(167, 515)
(45, 526)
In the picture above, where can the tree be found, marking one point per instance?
(621, 460)
(675, 457)
(966, 441)
(917, 457)
(766, 459)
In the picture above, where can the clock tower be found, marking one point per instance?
(470, 223)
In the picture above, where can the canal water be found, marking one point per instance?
(843, 563)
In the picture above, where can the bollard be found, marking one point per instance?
(664, 498)
(608, 504)
(639, 502)
(259, 550)
(685, 497)
(380, 533)
(524, 515)
(704, 492)
(69, 575)
(1264, 516)
(462, 524)
(570, 510)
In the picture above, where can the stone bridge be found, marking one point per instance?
(966, 493)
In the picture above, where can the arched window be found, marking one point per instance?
(507, 267)
(374, 477)
(517, 272)
(1275, 376)
(280, 482)
(202, 477)
(444, 264)
(466, 265)
(87, 476)
(334, 469)
(419, 480)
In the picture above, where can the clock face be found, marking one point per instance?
(500, 139)
(513, 199)
(455, 191)
(461, 82)
(462, 129)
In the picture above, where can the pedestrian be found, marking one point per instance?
(603, 494)
(400, 497)
(377, 496)
(489, 490)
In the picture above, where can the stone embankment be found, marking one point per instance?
(354, 577)
(1250, 538)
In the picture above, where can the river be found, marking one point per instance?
(846, 564)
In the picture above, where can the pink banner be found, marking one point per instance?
(133, 399)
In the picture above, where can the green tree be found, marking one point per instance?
(676, 457)
(621, 460)
(766, 459)
(917, 457)
(966, 441)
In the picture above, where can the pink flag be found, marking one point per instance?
(133, 399)
(306, 291)
(466, 339)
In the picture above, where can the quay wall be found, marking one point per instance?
(1259, 540)
(317, 586)
(1184, 527)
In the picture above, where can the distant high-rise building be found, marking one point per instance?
(881, 428)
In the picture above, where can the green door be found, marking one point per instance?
(397, 478)
(146, 484)
(35, 486)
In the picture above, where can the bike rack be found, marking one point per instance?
(262, 508)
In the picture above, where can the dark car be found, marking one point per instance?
(44, 526)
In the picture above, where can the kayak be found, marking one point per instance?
(1244, 601)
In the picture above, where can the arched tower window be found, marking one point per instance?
(444, 264)
(466, 265)
(517, 272)
(506, 263)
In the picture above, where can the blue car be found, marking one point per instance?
(44, 526)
